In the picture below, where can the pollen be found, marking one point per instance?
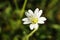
(34, 20)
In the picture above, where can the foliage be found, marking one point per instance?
(12, 12)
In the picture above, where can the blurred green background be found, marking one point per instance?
(12, 13)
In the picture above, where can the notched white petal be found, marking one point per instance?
(33, 26)
(36, 26)
(40, 13)
(36, 11)
(42, 19)
(25, 19)
(27, 14)
(26, 22)
(41, 22)
(30, 11)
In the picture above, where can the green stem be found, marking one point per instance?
(23, 8)
(32, 33)
(27, 36)
(24, 5)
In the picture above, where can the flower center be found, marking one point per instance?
(34, 20)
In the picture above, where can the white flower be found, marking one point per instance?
(34, 18)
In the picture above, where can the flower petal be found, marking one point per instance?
(36, 11)
(40, 13)
(29, 13)
(26, 22)
(41, 22)
(25, 19)
(42, 18)
(32, 26)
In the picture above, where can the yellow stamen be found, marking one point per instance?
(34, 20)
